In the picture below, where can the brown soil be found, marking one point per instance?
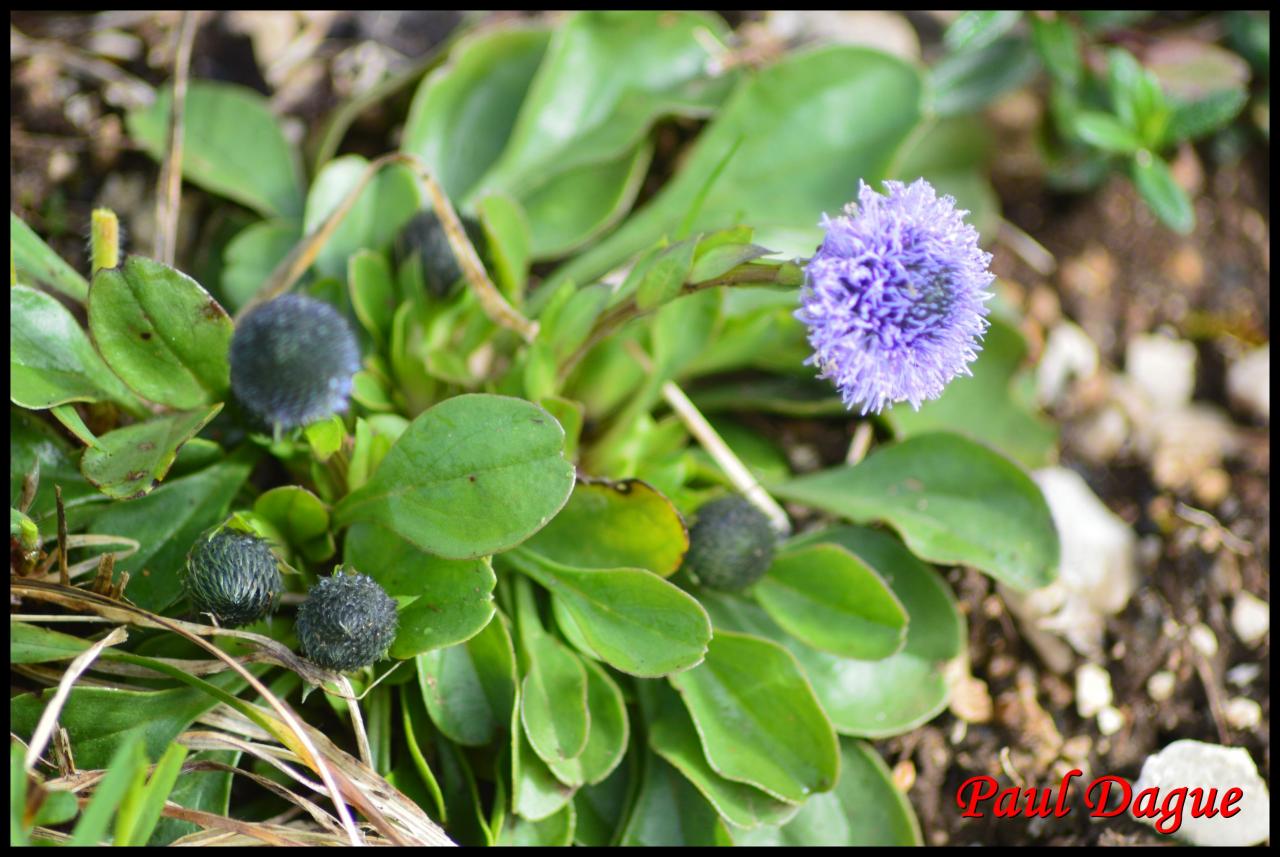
(1120, 274)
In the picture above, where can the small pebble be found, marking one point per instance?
(1211, 486)
(1093, 689)
(1068, 353)
(1249, 382)
(1242, 713)
(904, 775)
(1163, 368)
(1203, 640)
(1192, 764)
(1186, 265)
(1242, 675)
(971, 701)
(1250, 618)
(1161, 685)
(1110, 720)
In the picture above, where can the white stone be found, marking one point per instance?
(1097, 572)
(1203, 640)
(1110, 720)
(1249, 381)
(1242, 675)
(1161, 685)
(1193, 764)
(1242, 713)
(1097, 546)
(1068, 353)
(1163, 368)
(1250, 618)
(1093, 690)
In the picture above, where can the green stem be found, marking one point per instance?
(750, 274)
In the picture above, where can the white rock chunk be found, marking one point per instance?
(1242, 713)
(1068, 353)
(1163, 368)
(1093, 689)
(1249, 381)
(1161, 685)
(1203, 640)
(1098, 571)
(1250, 618)
(1197, 764)
(1110, 720)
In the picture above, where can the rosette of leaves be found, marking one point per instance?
(521, 492)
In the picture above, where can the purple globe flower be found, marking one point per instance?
(894, 298)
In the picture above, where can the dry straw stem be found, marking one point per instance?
(303, 255)
(361, 785)
(715, 446)
(300, 743)
(49, 718)
(324, 819)
(169, 197)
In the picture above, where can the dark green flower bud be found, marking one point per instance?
(347, 622)
(424, 237)
(731, 545)
(233, 575)
(292, 360)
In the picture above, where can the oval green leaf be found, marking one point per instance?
(758, 717)
(952, 500)
(635, 621)
(553, 700)
(463, 112)
(474, 475)
(606, 77)
(470, 688)
(298, 514)
(128, 462)
(673, 737)
(51, 361)
(607, 735)
(386, 204)
(873, 698)
(625, 524)
(828, 598)
(161, 332)
(232, 145)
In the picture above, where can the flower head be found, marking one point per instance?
(894, 297)
(292, 361)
